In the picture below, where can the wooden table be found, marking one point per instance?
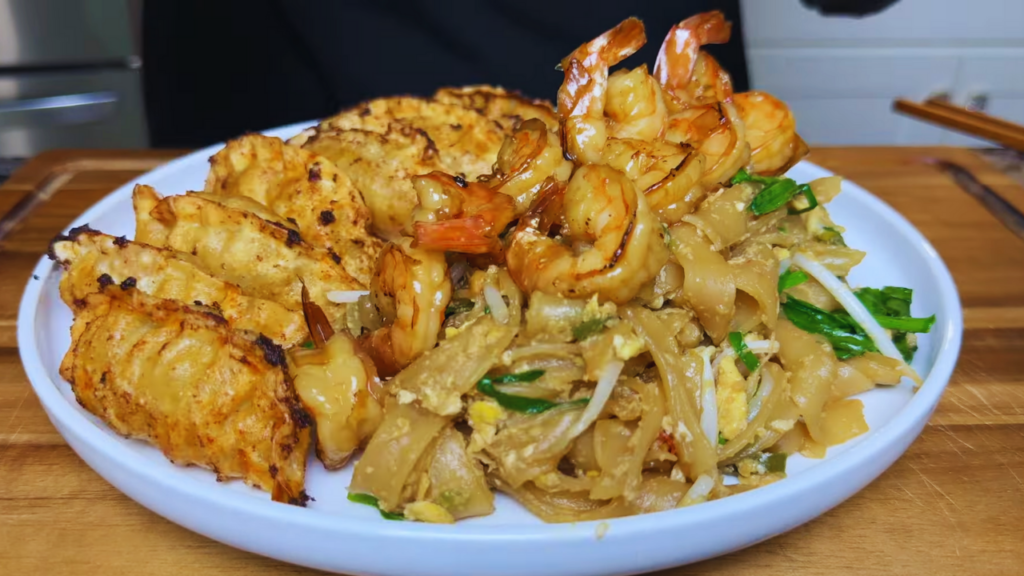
(954, 504)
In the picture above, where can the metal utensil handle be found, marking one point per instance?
(58, 110)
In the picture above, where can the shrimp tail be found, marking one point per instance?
(470, 235)
(472, 224)
(378, 347)
(320, 329)
(677, 57)
(612, 47)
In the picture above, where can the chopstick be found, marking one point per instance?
(1005, 212)
(968, 121)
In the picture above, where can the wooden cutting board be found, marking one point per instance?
(952, 505)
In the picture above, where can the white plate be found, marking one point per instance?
(334, 534)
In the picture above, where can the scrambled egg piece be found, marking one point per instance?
(731, 396)
(484, 416)
(627, 347)
(781, 253)
(594, 310)
(406, 397)
(422, 511)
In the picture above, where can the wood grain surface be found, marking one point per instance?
(952, 505)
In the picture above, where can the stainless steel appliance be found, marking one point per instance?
(70, 75)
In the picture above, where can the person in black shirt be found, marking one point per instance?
(215, 70)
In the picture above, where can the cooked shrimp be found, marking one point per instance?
(338, 385)
(527, 158)
(581, 98)
(459, 216)
(687, 73)
(668, 174)
(611, 243)
(771, 132)
(718, 133)
(635, 105)
(411, 289)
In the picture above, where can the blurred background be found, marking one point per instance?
(187, 73)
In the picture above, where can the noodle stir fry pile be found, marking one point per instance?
(617, 308)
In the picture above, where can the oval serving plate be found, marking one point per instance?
(334, 534)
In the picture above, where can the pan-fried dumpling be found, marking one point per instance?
(304, 188)
(92, 260)
(178, 376)
(266, 261)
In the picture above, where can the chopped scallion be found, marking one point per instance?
(774, 463)
(369, 500)
(846, 336)
(589, 328)
(744, 353)
(791, 278)
(777, 192)
(520, 403)
(458, 306)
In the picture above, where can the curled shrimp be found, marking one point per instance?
(581, 98)
(718, 133)
(669, 174)
(459, 216)
(635, 105)
(686, 72)
(771, 132)
(527, 158)
(410, 288)
(594, 236)
(337, 383)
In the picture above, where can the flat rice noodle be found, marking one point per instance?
(559, 482)
(838, 260)
(791, 442)
(826, 189)
(621, 448)
(441, 376)
(842, 420)
(724, 217)
(393, 452)
(708, 287)
(624, 403)
(529, 445)
(560, 507)
(560, 372)
(666, 286)
(683, 325)
(457, 481)
(849, 382)
(878, 368)
(657, 493)
(813, 368)
(747, 315)
(811, 448)
(599, 350)
(582, 454)
(552, 318)
(813, 292)
(756, 274)
(680, 381)
(799, 441)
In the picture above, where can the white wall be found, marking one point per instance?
(841, 75)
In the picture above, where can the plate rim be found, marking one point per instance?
(916, 412)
